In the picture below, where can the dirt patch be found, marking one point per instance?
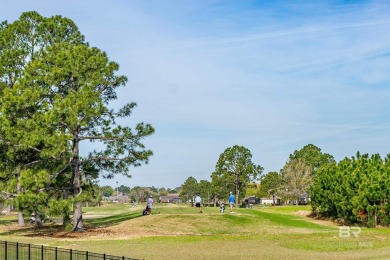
(146, 226)
(302, 213)
(312, 218)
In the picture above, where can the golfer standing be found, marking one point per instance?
(198, 203)
(150, 204)
(232, 199)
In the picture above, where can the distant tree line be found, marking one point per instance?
(353, 191)
(235, 172)
(137, 194)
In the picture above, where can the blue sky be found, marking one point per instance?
(272, 76)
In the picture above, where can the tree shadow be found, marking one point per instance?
(7, 222)
(58, 230)
(111, 220)
(21, 231)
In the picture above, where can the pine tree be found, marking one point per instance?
(60, 91)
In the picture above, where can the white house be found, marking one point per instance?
(265, 201)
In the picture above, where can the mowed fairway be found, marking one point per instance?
(177, 232)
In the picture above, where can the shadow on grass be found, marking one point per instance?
(57, 230)
(289, 220)
(7, 222)
(111, 220)
(25, 230)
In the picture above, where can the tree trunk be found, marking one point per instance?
(8, 210)
(20, 214)
(237, 190)
(237, 195)
(78, 218)
(77, 207)
(20, 219)
(38, 220)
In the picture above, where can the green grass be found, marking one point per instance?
(178, 232)
(286, 220)
(106, 209)
(111, 220)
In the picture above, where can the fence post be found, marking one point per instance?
(29, 253)
(17, 250)
(42, 252)
(5, 250)
(70, 258)
(86, 255)
(55, 253)
(104, 256)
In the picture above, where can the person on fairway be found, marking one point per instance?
(150, 204)
(198, 203)
(231, 202)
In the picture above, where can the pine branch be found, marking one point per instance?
(104, 159)
(60, 171)
(101, 138)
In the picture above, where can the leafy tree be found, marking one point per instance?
(270, 185)
(153, 189)
(189, 190)
(61, 207)
(31, 199)
(139, 194)
(124, 189)
(95, 195)
(312, 156)
(162, 191)
(204, 188)
(235, 169)
(219, 187)
(252, 189)
(297, 178)
(12, 167)
(107, 191)
(172, 191)
(69, 85)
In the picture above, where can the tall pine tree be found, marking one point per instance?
(65, 89)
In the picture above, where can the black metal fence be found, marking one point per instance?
(15, 250)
